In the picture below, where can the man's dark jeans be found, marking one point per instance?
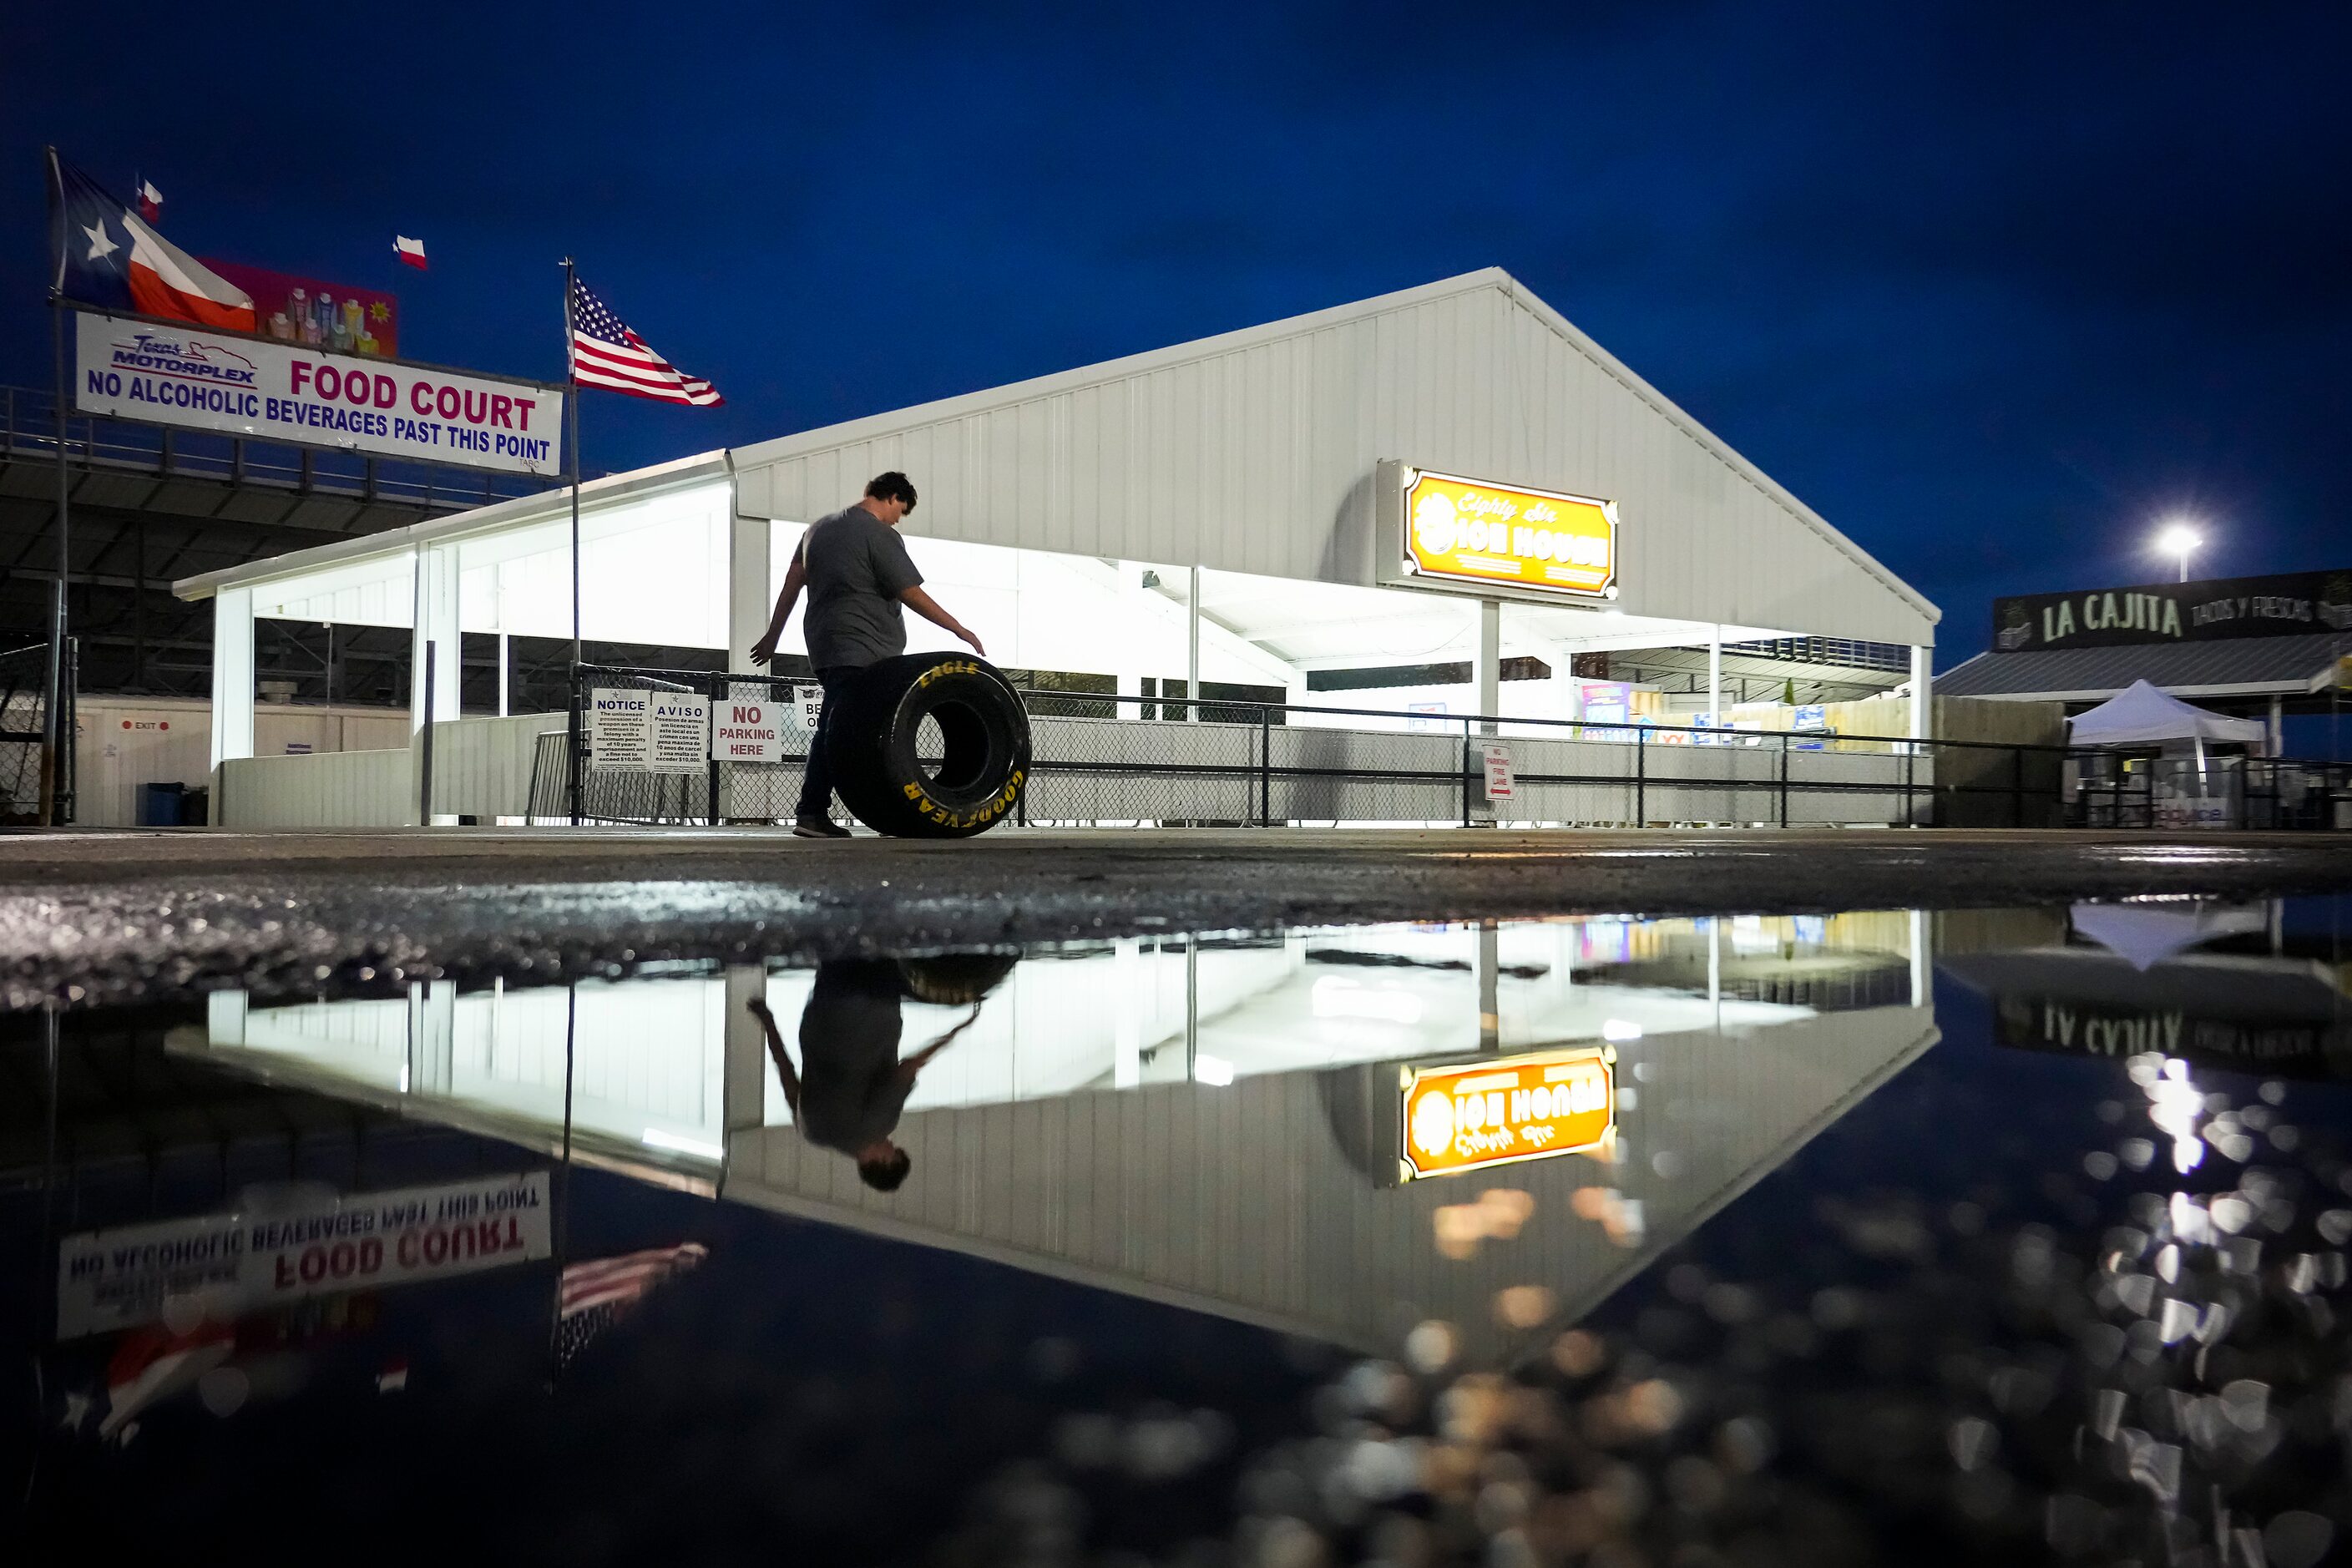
(816, 785)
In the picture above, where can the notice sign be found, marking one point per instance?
(620, 739)
(1498, 773)
(1499, 1111)
(229, 1265)
(747, 732)
(1467, 531)
(812, 701)
(167, 374)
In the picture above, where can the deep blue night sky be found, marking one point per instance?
(1993, 288)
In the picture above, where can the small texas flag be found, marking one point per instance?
(412, 251)
(151, 202)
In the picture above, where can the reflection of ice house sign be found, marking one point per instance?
(1466, 531)
(1500, 1110)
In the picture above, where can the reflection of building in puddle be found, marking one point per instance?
(1215, 1123)
(2219, 985)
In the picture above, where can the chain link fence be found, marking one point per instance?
(24, 688)
(1104, 759)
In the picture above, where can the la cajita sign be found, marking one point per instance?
(1459, 533)
(2280, 605)
(1506, 1108)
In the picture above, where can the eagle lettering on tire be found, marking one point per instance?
(929, 745)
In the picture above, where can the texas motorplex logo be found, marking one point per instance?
(186, 357)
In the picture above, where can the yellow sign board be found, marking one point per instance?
(1507, 1109)
(1466, 531)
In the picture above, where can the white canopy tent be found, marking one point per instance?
(2142, 715)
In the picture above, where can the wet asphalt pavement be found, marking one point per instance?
(115, 917)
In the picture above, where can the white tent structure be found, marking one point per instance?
(2141, 715)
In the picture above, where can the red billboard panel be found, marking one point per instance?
(339, 317)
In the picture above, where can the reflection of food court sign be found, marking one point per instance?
(1493, 1112)
(1466, 531)
(227, 1265)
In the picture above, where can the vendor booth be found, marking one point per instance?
(2156, 766)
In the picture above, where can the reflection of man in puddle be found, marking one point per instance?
(850, 1086)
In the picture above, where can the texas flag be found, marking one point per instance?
(412, 251)
(151, 202)
(105, 253)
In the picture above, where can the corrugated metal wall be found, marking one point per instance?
(1254, 452)
(342, 789)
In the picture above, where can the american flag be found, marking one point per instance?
(605, 353)
(595, 1294)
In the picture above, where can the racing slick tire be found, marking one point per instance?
(980, 754)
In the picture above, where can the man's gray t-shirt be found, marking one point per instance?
(856, 566)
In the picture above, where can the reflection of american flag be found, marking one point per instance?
(598, 1293)
(605, 353)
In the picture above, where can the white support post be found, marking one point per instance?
(232, 688)
(1714, 674)
(1715, 965)
(1192, 646)
(1923, 663)
(749, 603)
(505, 673)
(1487, 669)
(1490, 1007)
(1923, 971)
(743, 1053)
(1127, 1013)
(435, 626)
(2278, 727)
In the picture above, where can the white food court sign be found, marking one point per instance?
(224, 1266)
(168, 374)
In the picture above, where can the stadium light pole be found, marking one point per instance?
(2180, 540)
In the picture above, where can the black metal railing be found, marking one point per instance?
(1203, 761)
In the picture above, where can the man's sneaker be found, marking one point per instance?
(818, 828)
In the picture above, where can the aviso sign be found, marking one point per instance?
(1507, 1109)
(1470, 531)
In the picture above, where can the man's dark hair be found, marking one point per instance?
(886, 1176)
(892, 486)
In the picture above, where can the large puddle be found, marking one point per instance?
(1870, 1236)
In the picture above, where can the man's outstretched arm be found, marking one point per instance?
(923, 605)
(912, 1064)
(791, 1079)
(764, 650)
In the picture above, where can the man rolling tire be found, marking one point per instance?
(857, 574)
(974, 770)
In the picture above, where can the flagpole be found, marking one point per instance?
(54, 737)
(572, 367)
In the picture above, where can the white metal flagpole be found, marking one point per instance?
(572, 371)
